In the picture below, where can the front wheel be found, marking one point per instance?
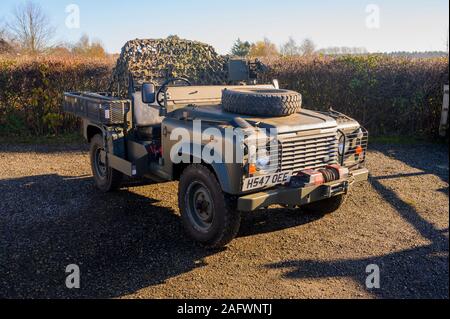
(325, 206)
(209, 216)
(106, 178)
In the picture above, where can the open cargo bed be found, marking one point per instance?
(97, 107)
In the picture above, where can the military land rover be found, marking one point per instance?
(234, 148)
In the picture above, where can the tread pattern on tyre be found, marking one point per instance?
(232, 217)
(114, 178)
(261, 102)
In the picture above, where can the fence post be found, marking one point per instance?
(444, 116)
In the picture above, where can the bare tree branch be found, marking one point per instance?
(290, 48)
(30, 27)
(307, 47)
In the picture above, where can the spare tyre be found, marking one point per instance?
(261, 102)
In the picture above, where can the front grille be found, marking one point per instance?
(353, 141)
(307, 152)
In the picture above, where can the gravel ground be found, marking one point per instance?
(130, 244)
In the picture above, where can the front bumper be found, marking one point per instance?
(292, 197)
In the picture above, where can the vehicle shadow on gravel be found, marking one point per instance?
(429, 158)
(414, 273)
(420, 272)
(121, 241)
(274, 219)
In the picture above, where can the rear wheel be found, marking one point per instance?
(209, 216)
(326, 206)
(106, 178)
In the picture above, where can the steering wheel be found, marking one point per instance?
(162, 90)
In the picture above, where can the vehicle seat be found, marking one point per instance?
(146, 118)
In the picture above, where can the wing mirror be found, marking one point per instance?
(148, 93)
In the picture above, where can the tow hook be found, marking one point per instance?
(336, 189)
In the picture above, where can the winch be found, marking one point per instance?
(311, 177)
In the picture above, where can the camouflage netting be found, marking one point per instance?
(155, 60)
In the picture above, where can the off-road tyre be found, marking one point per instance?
(325, 206)
(211, 231)
(261, 102)
(106, 178)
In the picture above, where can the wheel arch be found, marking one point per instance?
(91, 130)
(219, 170)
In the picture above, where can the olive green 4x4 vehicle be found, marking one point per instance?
(233, 148)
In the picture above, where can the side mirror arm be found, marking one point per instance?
(163, 109)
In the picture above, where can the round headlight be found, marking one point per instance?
(262, 162)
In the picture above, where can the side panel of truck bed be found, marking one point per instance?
(97, 107)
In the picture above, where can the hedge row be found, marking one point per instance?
(31, 92)
(388, 95)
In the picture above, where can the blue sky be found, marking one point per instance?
(403, 25)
